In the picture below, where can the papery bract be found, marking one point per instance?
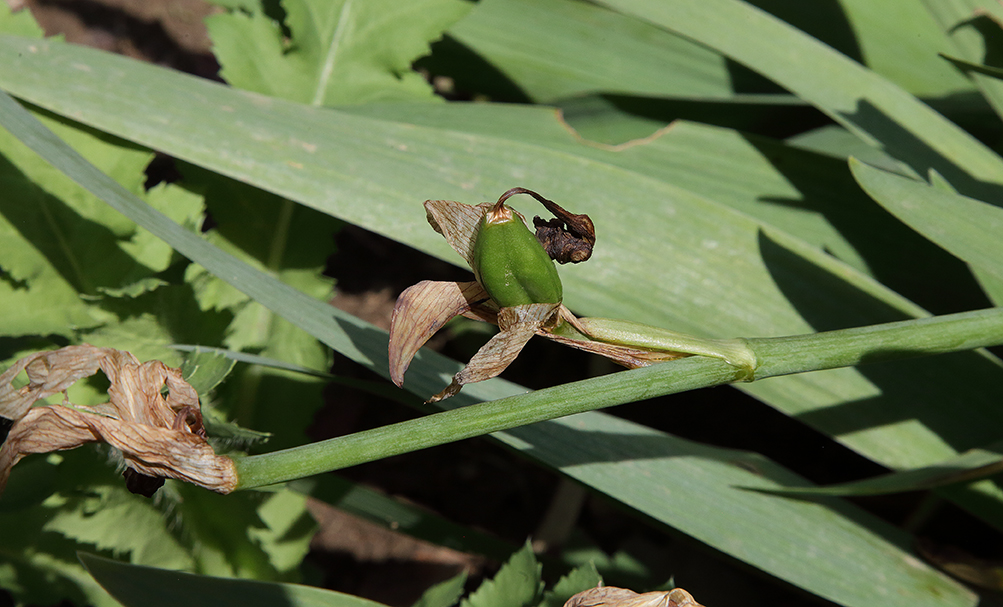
(160, 434)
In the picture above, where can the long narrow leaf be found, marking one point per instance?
(859, 99)
(666, 256)
(964, 226)
(137, 586)
(969, 466)
(697, 483)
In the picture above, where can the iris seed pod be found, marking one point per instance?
(510, 262)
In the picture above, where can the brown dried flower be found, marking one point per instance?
(611, 596)
(153, 417)
(509, 269)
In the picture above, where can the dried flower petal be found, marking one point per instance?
(518, 324)
(458, 223)
(611, 596)
(151, 451)
(420, 311)
(158, 436)
(48, 373)
(569, 238)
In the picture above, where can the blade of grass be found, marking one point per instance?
(380, 389)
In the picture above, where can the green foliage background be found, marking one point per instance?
(721, 225)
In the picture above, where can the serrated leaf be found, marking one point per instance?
(257, 535)
(288, 530)
(182, 206)
(443, 594)
(577, 580)
(204, 370)
(122, 523)
(19, 23)
(517, 583)
(39, 568)
(90, 510)
(217, 530)
(292, 243)
(620, 568)
(33, 480)
(135, 586)
(340, 52)
(147, 323)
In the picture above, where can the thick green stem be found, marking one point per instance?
(876, 343)
(775, 356)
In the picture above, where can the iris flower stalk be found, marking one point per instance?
(518, 288)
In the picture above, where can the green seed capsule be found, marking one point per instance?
(511, 264)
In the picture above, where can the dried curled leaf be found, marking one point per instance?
(152, 417)
(611, 596)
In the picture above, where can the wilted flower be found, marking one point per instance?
(517, 287)
(611, 596)
(152, 417)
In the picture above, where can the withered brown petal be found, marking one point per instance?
(135, 391)
(458, 223)
(611, 596)
(568, 239)
(158, 436)
(48, 373)
(420, 311)
(626, 356)
(564, 244)
(149, 450)
(517, 326)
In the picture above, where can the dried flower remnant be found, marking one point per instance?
(611, 596)
(517, 288)
(153, 417)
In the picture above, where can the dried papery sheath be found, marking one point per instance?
(152, 417)
(611, 596)
(517, 325)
